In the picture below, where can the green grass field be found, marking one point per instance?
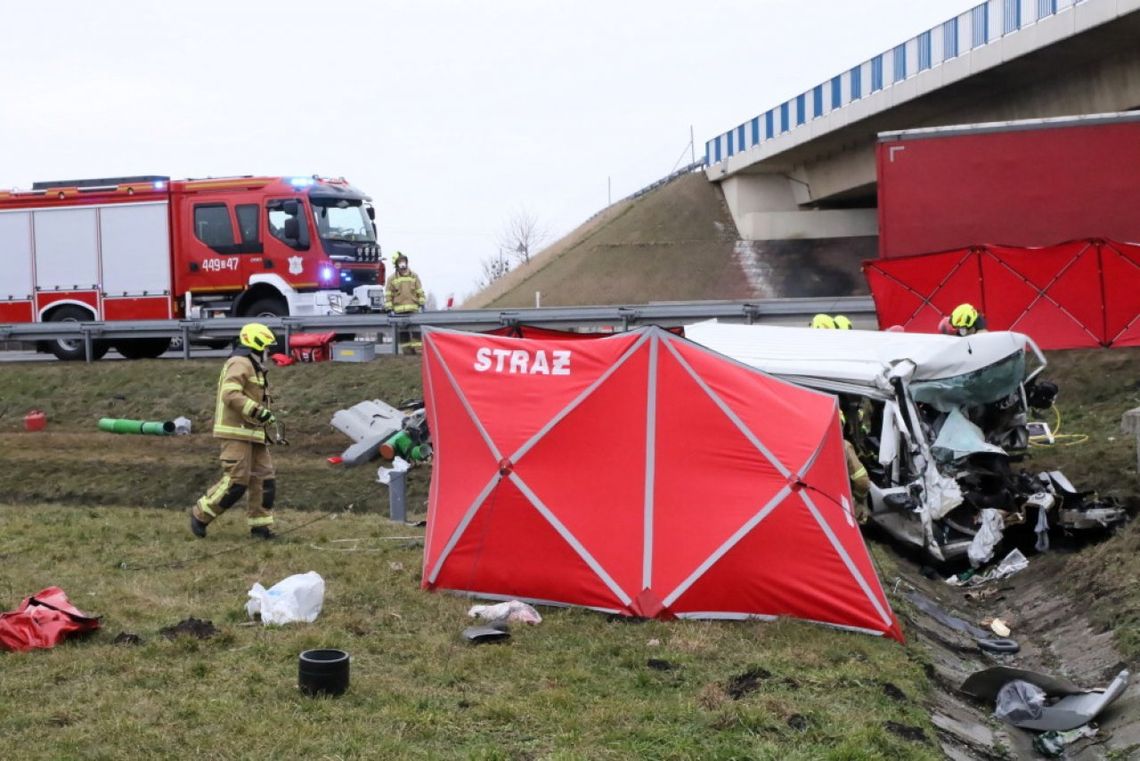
(575, 686)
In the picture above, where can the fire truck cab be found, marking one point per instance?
(135, 248)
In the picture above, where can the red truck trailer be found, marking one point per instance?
(135, 248)
(1036, 182)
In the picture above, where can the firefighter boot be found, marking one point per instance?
(262, 532)
(197, 527)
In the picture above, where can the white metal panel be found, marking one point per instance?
(858, 357)
(67, 248)
(136, 249)
(15, 255)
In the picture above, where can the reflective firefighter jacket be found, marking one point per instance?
(860, 481)
(241, 394)
(403, 293)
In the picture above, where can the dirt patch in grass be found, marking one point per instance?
(189, 627)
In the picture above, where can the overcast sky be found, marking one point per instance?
(452, 115)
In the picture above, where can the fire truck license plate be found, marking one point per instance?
(219, 264)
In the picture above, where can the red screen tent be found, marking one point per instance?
(639, 474)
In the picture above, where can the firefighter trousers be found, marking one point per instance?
(246, 468)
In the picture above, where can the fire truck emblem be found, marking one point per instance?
(295, 265)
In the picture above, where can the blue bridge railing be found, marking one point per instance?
(975, 28)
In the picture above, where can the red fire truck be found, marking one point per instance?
(144, 248)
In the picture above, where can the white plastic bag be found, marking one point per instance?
(296, 598)
(512, 611)
(1019, 701)
(399, 465)
(981, 549)
(182, 426)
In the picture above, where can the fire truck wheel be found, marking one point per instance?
(143, 348)
(267, 308)
(73, 350)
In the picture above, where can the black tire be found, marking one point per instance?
(74, 350)
(267, 307)
(143, 348)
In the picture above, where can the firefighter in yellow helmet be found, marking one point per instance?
(404, 293)
(241, 415)
(857, 473)
(965, 320)
(841, 322)
(824, 321)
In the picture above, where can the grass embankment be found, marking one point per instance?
(74, 463)
(575, 686)
(675, 243)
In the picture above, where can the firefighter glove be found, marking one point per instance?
(265, 417)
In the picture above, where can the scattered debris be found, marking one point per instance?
(482, 635)
(513, 610)
(380, 430)
(653, 643)
(43, 621)
(659, 664)
(797, 722)
(295, 598)
(190, 627)
(182, 426)
(981, 636)
(988, 536)
(1012, 563)
(399, 465)
(742, 684)
(1031, 700)
(999, 627)
(126, 638)
(1053, 743)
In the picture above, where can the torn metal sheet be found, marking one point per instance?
(1075, 707)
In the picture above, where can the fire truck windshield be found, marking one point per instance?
(343, 220)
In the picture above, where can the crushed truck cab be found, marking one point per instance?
(937, 421)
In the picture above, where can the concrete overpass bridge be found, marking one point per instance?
(805, 168)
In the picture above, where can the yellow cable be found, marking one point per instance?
(1059, 439)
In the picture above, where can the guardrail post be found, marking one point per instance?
(395, 336)
(186, 342)
(1130, 423)
(89, 346)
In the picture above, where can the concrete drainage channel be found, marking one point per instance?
(1055, 638)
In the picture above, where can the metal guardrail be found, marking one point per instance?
(623, 317)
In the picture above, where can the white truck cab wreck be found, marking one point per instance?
(936, 420)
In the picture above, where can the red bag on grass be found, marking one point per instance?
(43, 621)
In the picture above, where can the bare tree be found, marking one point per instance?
(522, 235)
(493, 268)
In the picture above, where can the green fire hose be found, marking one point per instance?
(401, 443)
(122, 425)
